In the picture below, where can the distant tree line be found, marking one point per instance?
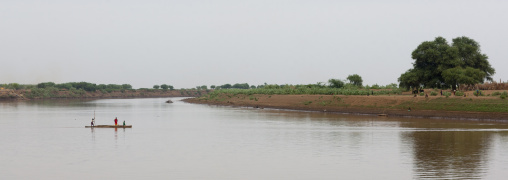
(164, 87)
(354, 81)
(86, 86)
(234, 86)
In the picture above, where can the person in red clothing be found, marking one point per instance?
(116, 121)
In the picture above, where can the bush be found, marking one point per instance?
(504, 95)
(336, 83)
(46, 84)
(459, 93)
(479, 93)
(433, 93)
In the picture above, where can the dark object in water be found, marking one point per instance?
(109, 126)
(169, 101)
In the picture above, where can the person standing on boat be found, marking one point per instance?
(92, 122)
(116, 121)
(123, 122)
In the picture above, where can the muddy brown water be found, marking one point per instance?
(48, 140)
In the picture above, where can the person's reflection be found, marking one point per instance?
(116, 134)
(92, 130)
(448, 154)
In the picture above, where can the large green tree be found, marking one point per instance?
(336, 83)
(437, 64)
(355, 79)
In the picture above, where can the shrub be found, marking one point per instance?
(459, 93)
(433, 93)
(504, 95)
(479, 93)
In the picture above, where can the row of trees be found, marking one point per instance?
(85, 86)
(229, 86)
(355, 80)
(164, 87)
(70, 85)
(438, 64)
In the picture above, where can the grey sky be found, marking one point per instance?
(191, 42)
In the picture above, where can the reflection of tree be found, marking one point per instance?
(449, 154)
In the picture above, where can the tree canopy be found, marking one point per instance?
(335, 83)
(355, 79)
(438, 64)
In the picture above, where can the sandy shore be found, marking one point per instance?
(374, 105)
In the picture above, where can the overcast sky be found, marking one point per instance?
(187, 43)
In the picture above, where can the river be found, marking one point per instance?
(47, 139)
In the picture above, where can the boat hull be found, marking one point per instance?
(109, 126)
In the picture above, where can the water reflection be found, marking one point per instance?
(93, 134)
(448, 153)
(186, 141)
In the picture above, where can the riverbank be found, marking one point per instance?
(15, 95)
(471, 107)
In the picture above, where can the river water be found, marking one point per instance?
(48, 140)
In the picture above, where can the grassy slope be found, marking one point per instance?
(399, 102)
(460, 104)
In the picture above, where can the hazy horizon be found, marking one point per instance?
(194, 43)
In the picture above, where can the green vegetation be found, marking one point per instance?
(355, 79)
(17, 86)
(458, 104)
(336, 83)
(478, 93)
(302, 89)
(85, 89)
(504, 95)
(438, 64)
(459, 93)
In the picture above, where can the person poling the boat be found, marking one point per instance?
(91, 123)
(123, 122)
(116, 121)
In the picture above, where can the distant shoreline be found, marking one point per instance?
(370, 105)
(20, 95)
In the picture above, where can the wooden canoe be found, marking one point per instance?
(109, 126)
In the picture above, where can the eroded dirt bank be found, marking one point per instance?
(389, 105)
